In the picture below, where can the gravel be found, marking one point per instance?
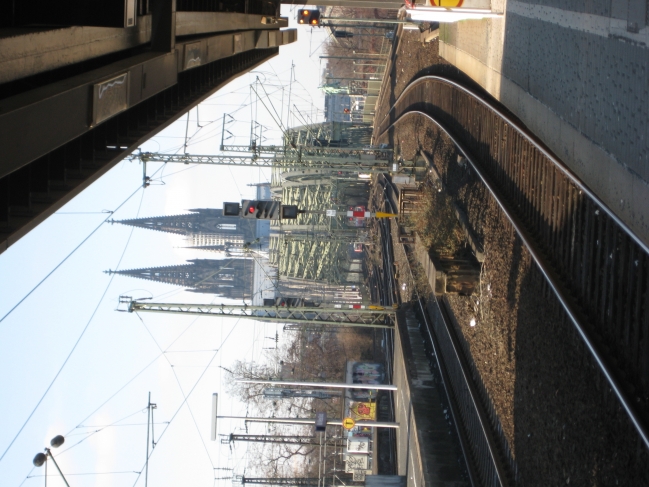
(560, 419)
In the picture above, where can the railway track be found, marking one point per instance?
(387, 293)
(484, 447)
(594, 264)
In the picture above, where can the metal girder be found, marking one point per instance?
(366, 318)
(289, 162)
(305, 150)
(258, 149)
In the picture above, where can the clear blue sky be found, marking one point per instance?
(38, 336)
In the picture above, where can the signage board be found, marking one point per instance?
(357, 444)
(355, 462)
(348, 423)
(320, 421)
(359, 476)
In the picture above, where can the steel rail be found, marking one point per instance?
(532, 140)
(389, 292)
(549, 274)
(446, 380)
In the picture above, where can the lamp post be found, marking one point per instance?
(304, 421)
(41, 458)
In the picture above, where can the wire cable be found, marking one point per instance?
(187, 397)
(181, 390)
(65, 259)
(83, 332)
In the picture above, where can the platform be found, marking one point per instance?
(578, 79)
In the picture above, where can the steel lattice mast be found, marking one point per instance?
(288, 162)
(359, 317)
(306, 150)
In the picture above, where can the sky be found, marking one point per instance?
(74, 365)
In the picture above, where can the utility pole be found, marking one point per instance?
(341, 385)
(288, 481)
(354, 79)
(306, 151)
(360, 26)
(311, 421)
(357, 58)
(149, 428)
(325, 164)
(287, 440)
(382, 21)
(365, 317)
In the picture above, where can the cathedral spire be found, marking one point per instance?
(229, 277)
(206, 221)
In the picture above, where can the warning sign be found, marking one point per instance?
(447, 3)
(348, 423)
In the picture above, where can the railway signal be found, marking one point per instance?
(311, 17)
(261, 210)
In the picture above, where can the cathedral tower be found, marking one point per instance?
(230, 278)
(205, 228)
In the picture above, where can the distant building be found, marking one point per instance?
(335, 106)
(204, 228)
(229, 277)
(237, 276)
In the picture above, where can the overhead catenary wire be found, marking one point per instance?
(181, 389)
(83, 332)
(188, 395)
(70, 254)
(92, 433)
(86, 473)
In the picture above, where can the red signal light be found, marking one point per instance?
(251, 209)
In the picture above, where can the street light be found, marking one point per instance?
(41, 458)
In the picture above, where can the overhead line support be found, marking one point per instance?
(364, 318)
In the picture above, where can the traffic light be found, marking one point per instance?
(311, 17)
(260, 209)
(343, 34)
(231, 209)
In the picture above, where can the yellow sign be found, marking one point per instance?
(447, 3)
(348, 423)
(363, 410)
(380, 214)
